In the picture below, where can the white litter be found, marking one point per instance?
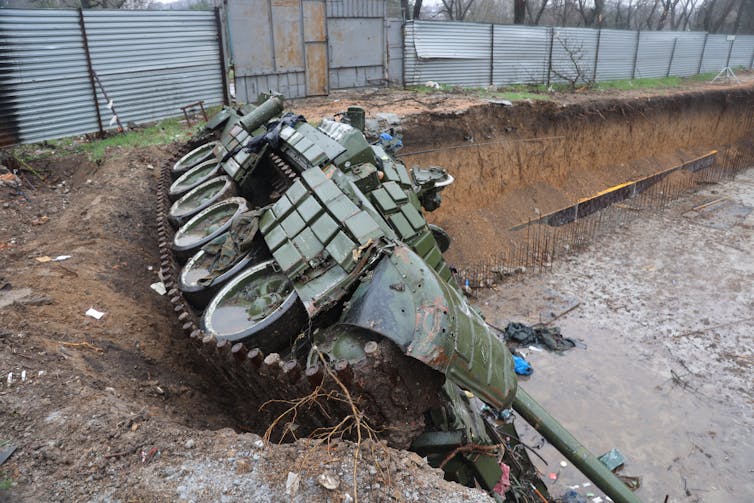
(563, 464)
(23, 375)
(10, 378)
(113, 120)
(291, 484)
(586, 484)
(159, 287)
(97, 315)
(597, 500)
(574, 487)
(61, 258)
(535, 348)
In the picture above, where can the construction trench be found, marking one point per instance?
(576, 214)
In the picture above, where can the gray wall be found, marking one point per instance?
(150, 63)
(271, 51)
(476, 55)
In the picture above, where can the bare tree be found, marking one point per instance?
(519, 11)
(533, 18)
(576, 70)
(456, 10)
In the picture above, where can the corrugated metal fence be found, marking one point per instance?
(475, 55)
(150, 63)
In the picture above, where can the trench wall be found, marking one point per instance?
(514, 164)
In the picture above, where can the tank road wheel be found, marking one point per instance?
(198, 267)
(199, 154)
(206, 226)
(193, 177)
(258, 307)
(202, 196)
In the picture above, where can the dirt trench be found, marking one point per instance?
(513, 164)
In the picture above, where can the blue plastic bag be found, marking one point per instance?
(521, 366)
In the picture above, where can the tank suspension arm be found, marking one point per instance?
(563, 441)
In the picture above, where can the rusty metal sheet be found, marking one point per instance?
(315, 28)
(316, 69)
(287, 35)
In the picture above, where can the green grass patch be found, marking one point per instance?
(5, 483)
(158, 133)
(654, 83)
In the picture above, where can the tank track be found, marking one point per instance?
(392, 390)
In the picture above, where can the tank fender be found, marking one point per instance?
(406, 301)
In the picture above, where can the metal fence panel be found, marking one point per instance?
(573, 54)
(655, 50)
(616, 56)
(715, 53)
(520, 54)
(395, 51)
(450, 53)
(356, 8)
(688, 52)
(743, 51)
(150, 63)
(44, 83)
(245, 17)
(153, 62)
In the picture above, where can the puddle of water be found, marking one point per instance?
(678, 442)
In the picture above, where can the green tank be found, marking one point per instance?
(295, 254)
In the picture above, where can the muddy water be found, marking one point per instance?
(666, 309)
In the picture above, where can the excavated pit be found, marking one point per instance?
(515, 164)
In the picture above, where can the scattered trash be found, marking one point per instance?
(292, 483)
(328, 480)
(190, 443)
(598, 499)
(572, 496)
(536, 349)
(586, 484)
(612, 459)
(432, 84)
(10, 378)
(552, 476)
(23, 376)
(347, 498)
(549, 337)
(41, 220)
(149, 456)
(44, 258)
(97, 315)
(159, 287)
(632, 482)
(505, 103)
(563, 464)
(6, 453)
(521, 366)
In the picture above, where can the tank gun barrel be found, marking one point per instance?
(563, 441)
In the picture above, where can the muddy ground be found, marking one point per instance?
(119, 409)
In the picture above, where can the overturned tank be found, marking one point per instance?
(299, 261)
